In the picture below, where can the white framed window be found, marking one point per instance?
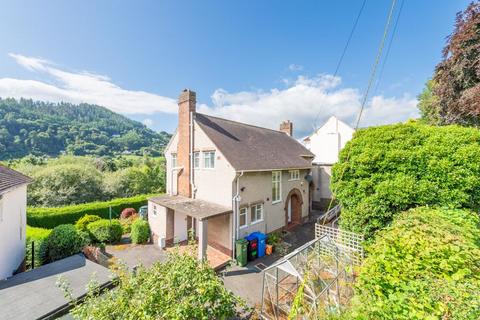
(276, 186)
(196, 160)
(174, 160)
(256, 213)
(294, 174)
(242, 218)
(209, 159)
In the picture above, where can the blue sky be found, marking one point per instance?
(252, 61)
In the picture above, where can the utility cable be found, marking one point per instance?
(367, 91)
(350, 36)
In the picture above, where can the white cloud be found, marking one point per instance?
(307, 101)
(295, 67)
(80, 87)
(148, 122)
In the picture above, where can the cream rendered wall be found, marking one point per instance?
(258, 188)
(329, 140)
(213, 185)
(158, 222)
(12, 230)
(321, 176)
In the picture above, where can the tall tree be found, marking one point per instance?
(456, 82)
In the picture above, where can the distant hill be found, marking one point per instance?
(41, 128)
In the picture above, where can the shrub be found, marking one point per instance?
(180, 288)
(127, 212)
(425, 266)
(140, 231)
(84, 221)
(38, 236)
(63, 241)
(397, 167)
(127, 223)
(52, 217)
(106, 231)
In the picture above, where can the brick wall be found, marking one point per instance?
(186, 105)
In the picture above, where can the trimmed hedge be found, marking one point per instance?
(39, 237)
(106, 231)
(51, 217)
(394, 168)
(140, 231)
(425, 266)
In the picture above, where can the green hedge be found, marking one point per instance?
(425, 266)
(389, 169)
(140, 231)
(38, 236)
(51, 217)
(64, 241)
(106, 231)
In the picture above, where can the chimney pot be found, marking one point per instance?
(287, 127)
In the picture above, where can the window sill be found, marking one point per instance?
(243, 227)
(277, 201)
(256, 222)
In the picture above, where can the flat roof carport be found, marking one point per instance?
(196, 208)
(35, 295)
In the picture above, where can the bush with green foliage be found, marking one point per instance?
(180, 288)
(84, 221)
(388, 169)
(52, 217)
(424, 266)
(63, 241)
(38, 237)
(127, 223)
(56, 185)
(140, 231)
(106, 231)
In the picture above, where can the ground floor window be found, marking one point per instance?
(256, 213)
(243, 217)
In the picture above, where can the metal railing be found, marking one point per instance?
(330, 215)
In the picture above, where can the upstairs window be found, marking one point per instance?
(196, 160)
(209, 159)
(256, 213)
(294, 174)
(276, 186)
(243, 217)
(174, 160)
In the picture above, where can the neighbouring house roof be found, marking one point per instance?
(10, 178)
(252, 148)
(35, 295)
(196, 208)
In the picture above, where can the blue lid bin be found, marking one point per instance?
(262, 242)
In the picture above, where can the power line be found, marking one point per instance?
(344, 51)
(380, 74)
(367, 91)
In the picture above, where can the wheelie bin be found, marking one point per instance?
(241, 252)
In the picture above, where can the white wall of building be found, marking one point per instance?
(13, 206)
(327, 142)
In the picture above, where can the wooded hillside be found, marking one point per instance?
(41, 128)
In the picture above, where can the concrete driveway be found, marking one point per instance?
(133, 255)
(246, 282)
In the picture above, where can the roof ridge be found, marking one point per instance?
(242, 123)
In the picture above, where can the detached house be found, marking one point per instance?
(226, 179)
(326, 143)
(13, 203)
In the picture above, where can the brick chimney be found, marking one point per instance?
(186, 109)
(287, 127)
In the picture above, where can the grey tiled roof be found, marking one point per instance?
(253, 148)
(10, 178)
